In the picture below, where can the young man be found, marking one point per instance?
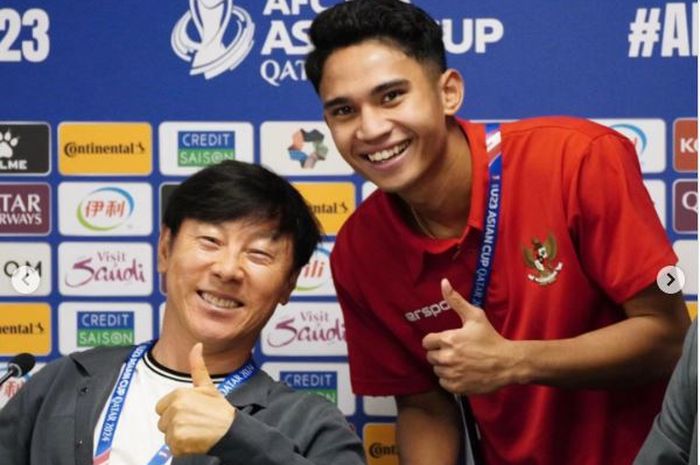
(566, 351)
(234, 239)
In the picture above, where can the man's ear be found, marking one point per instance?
(291, 284)
(164, 245)
(452, 91)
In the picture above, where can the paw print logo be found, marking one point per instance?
(7, 143)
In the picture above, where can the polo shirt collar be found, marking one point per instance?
(419, 245)
(106, 361)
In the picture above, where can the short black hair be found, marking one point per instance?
(403, 25)
(234, 190)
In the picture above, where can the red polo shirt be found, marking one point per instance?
(578, 236)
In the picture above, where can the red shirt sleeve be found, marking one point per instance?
(622, 243)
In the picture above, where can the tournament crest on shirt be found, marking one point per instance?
(541, 258)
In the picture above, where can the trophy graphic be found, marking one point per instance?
(209, 53)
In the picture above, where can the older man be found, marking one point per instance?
(233, 241)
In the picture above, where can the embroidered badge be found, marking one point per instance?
(541, 257)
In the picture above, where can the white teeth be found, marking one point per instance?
(388, 153)
(218, 301)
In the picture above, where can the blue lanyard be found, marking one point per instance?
(482, 274)
(116, 402)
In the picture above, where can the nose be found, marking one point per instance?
(373, 124)
(228, 267)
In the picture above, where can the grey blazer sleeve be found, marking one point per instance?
(673, 436)
(19, 416)
(308, 431)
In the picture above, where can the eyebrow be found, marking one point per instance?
(383, 87)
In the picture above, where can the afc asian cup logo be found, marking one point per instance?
(222, 43)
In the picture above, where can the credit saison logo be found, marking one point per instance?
(322, 383)
(105, 329)
(72, 149)
(105, 209)
(315, 274)
(378, 450)
(204, 148)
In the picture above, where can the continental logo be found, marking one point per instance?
(25, 327)
(73, 149)
(105, 148)
(380, 444)
(332, 202)
(378, 450)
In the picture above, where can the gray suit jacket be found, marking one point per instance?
(673, 439)
(51, 420)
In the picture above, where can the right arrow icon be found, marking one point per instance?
(670, 279)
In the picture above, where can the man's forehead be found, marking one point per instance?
(363, 68)
(260, 227)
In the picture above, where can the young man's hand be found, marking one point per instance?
(473, 359)
(194, 419)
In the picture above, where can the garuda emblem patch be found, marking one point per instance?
(541, 258)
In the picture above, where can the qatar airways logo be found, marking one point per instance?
(94, 268)
(305, 328)
(25, 208)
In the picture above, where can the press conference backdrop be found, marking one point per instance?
(105, 106)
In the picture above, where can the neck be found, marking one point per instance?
(174, 353)
(440, 207)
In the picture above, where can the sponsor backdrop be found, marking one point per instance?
(104, 107)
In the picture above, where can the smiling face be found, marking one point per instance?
(223, 281)
(387, 113)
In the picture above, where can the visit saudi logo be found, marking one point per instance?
(105, 209)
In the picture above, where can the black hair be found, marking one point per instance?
(403, 25)
(234, 190)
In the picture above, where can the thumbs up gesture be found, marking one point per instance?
(194, 419)
(473, 359)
